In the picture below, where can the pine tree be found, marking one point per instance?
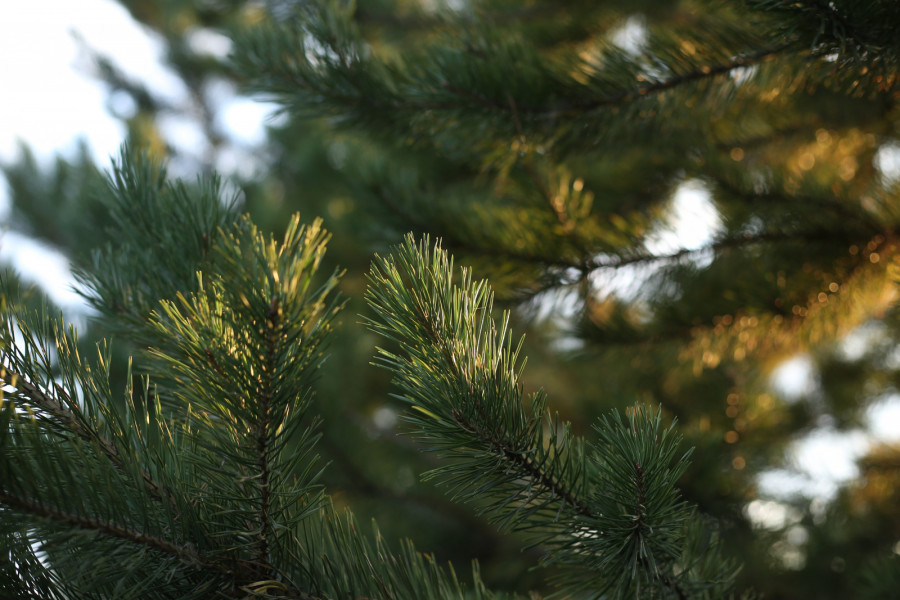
(546, 144)
(202, 480)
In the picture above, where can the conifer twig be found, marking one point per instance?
(630, 95)
(239, 570)
(182, 552)
(68, 419)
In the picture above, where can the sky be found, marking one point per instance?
(49, 99)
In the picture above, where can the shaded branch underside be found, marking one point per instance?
(70, 422)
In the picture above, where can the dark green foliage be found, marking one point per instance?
(60, 205)
(881, 580)
(550, 146)
(614, 519)
(204, 481)
(461, 379)
(162, 233)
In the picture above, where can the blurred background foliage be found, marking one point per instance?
(674, 245)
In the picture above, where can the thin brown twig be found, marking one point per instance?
(182, 552)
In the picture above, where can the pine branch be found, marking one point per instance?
(336, 75)
(278, 321)
(247, 575)
(244, 352)
(640, 522)
(467, 389)
(521, 459)
(166, 230)
(458, 371)
(858, 31)
(861, 283)
(570, 110)
(590, 260)
(72, 423)
(490, 437)
(37, 509)
(346, 563)
(750, 239)
(657, 87)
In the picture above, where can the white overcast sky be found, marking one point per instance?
(46, 102)
(48, 97)
(49, 100)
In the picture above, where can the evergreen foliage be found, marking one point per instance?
(615, 518)
(550, 146)
(205, 479)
